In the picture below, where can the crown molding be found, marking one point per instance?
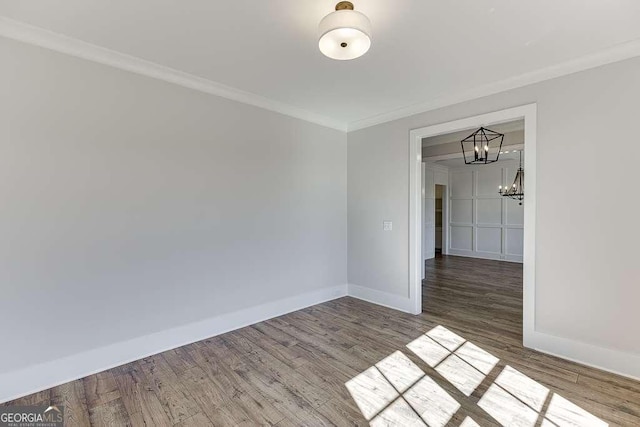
(613, 54)
(30, 34)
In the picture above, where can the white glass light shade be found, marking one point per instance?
(344, 34)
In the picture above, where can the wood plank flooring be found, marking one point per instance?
(460, 362)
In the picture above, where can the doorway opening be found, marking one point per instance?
(486, 230)
(438, 212)
(486, 238)
(480, 221)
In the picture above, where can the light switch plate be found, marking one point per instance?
(387, 225)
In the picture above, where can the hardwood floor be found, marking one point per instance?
(461, 358)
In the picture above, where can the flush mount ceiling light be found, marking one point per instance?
(344, 34)
(482, 146)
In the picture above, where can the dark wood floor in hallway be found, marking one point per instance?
(349, 362)
(468, 292)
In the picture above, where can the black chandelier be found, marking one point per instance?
(482, 147)
(516, 191)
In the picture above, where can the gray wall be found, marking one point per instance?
(587, 206)
(131, 206)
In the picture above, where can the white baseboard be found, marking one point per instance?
(485, 255)
(606, 359)
(614, 361)
(50, 374)
(381, 298)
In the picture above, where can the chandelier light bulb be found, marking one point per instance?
(344, 34)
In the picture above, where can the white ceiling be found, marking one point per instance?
(422, 50)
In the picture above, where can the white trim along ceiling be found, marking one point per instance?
(26, 33)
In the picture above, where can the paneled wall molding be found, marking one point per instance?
(482, 223)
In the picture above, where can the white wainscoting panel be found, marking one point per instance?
(461, 211)
(482, 223)
(461, 239)
(515, 213)
(487, 177)
(514, 241)
(461, 182)
(489, 240)
(489, 211)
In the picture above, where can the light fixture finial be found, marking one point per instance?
(344, 5)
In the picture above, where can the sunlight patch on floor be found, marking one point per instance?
(371, 392)
(561, 412)
(445, 338)
(400, 371)
(459, 373)
(462, 363)
(506, 409)
(469, 422)
(397, 392)
(478, 358)
(524, 388)
(397, 414)
(434, 405)
(428, 350)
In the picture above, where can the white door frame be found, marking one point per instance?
(529, 114)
